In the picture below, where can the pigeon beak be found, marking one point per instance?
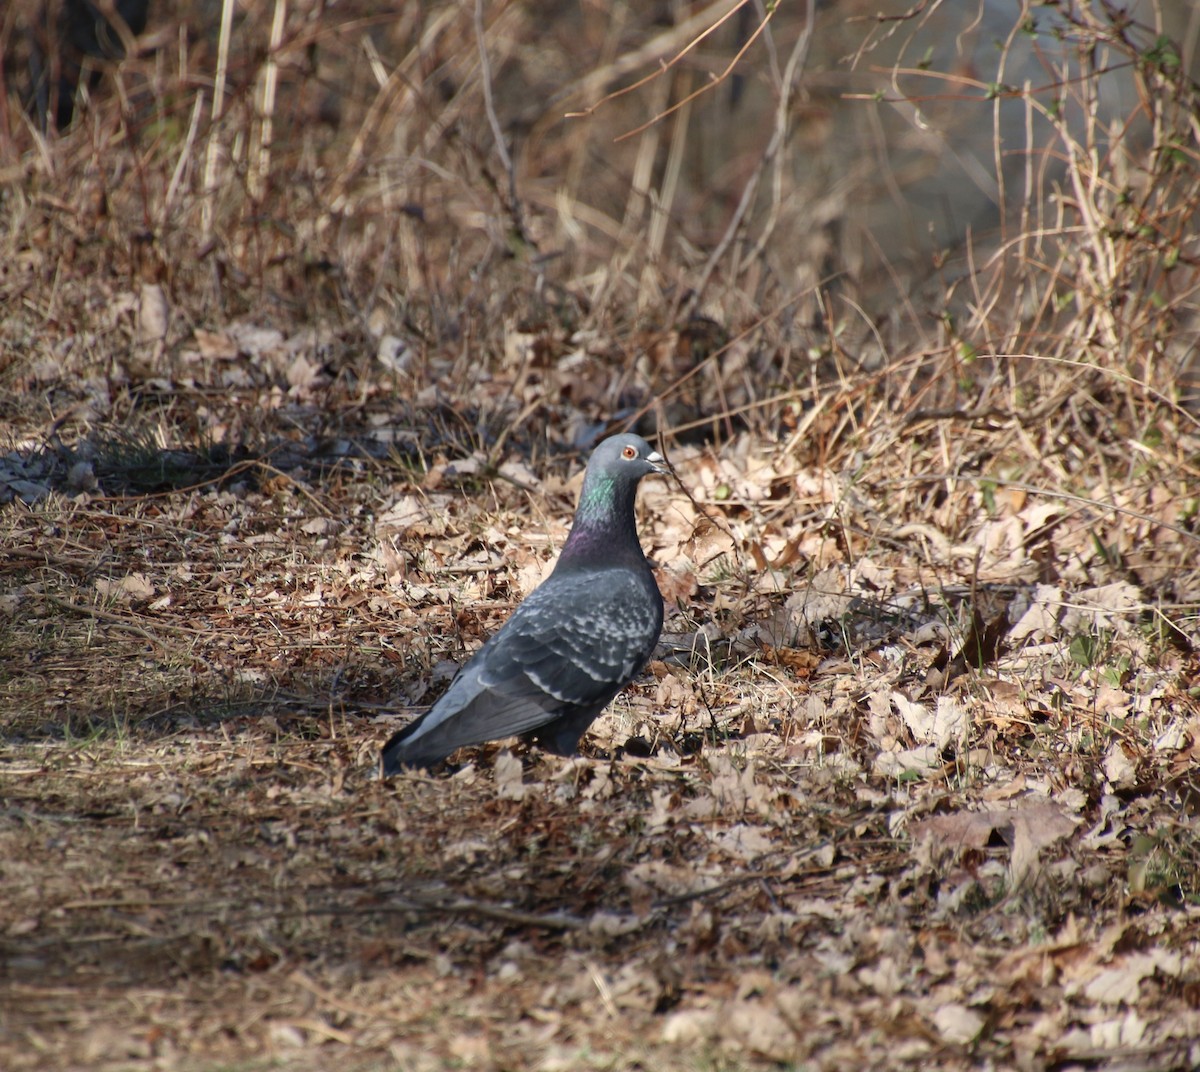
(658, 463)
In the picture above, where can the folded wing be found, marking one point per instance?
(562, 656)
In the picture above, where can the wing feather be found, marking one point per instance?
(567, 651)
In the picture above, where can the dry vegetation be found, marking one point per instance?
(302, 336)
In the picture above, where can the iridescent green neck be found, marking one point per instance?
(604, 523)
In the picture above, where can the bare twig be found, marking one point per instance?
(260, 165)
(215, 155)
(698, 27)
(485, 76)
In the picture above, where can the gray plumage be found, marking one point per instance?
(569, 648)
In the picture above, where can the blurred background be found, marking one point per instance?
(695, 218)
(851, 161)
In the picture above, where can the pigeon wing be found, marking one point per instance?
(567, 650)
(581, 641)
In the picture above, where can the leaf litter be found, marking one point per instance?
(764, 857)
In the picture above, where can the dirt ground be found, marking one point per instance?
(912, 781)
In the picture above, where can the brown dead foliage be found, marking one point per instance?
(911, 781)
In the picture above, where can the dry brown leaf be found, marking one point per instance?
(1040, 618)
(154, 314)
(1119, 767)
(1120, 982)
(216, 345)
(1028, 826)
(756, 1027)
(743, 842)
(132, 587)
(687, 1027)
(948, 722)
(509, 775)
(957, 1024)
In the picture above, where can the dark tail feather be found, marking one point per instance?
(398, 754)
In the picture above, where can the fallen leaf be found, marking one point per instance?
(1119, 768)
(1028, 827)
(215, 345)
(508, 775)
(153, 313)
(755, 1026)
(690, 1026)
(1120, 983)
(134, 586)
(958, 1024)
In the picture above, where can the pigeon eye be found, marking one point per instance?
(629, 453)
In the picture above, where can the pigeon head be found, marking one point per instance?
(624, 457)
(604, 521)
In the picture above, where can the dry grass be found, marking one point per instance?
(291, 392)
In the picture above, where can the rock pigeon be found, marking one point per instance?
(569, 648)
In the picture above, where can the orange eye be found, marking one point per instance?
(629, 453)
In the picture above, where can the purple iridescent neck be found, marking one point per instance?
(604, 528)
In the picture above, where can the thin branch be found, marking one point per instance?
(489, 104)
(663, 67)
(713, 80)
(778, 136)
